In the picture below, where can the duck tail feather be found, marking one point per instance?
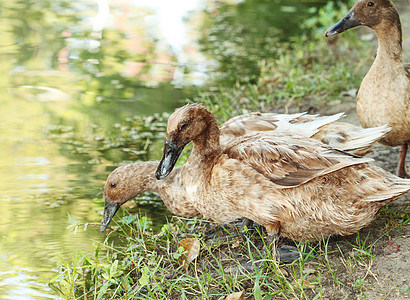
(308, 126)
(399, 187)
(362, 139)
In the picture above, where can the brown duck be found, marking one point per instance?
(293, 186)
(384, 94)
(127, 181)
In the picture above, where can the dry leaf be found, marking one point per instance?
(236, 244)
(235, 296)
(191, 251)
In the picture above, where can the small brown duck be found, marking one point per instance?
(128, 181)
(384, 94)
(293, 186)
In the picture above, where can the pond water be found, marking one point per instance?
(75, 76)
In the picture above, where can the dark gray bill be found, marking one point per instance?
(349, 21)
(169, 159)
(110, 208)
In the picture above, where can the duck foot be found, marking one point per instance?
(284, 253)
(401, 169)
(287, 254)
(246, 223)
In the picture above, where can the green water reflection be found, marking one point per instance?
(73, 76)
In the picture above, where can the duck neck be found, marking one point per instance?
(144, 176)
(206, 145)
(389, 35)
(170, 189)
(152, 184)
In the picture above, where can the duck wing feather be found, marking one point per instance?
(289, 161)
(300, 123)
(339, 135)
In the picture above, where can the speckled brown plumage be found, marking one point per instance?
(297, 185)
(384, 94)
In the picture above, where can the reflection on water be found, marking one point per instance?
(73, 75)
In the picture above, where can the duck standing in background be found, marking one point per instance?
(293, 186)
(384, 94)
(130, 180)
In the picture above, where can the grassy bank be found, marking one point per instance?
(143, 264)
(137, 262)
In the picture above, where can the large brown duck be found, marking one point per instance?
(127, 181)
(384, 94)
(293, 186)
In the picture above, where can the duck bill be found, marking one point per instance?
(169, 159)
(110, 208)
(349, 21)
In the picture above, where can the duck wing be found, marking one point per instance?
(300, 123)
(288, 161)
(339, 135)
(350, 138)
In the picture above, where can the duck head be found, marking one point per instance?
(366, 12)
(123, 184)
(184, 125)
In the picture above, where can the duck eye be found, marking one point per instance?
(370, 3)
(183, 126)
(113, 184)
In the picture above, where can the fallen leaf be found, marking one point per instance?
(235, 296)
(236, 244)
(191, 251)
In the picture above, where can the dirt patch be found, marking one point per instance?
(392, 267)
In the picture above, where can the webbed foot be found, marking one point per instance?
(248, 223)
(287, 254)
(284, 253)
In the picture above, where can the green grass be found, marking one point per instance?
(141, 264)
